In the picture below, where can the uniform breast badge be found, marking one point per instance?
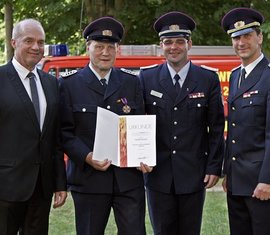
(126, 108)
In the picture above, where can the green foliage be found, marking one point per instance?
(63, 23)
(60, 19)
(2, 43)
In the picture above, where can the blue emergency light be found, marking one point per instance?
(56, 50)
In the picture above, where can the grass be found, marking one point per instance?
(215, 220)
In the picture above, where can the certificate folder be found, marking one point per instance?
(125, 140)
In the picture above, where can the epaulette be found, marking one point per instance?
(149, 66)
(129, 71)
(209, 68)
(235, 68)
(67, 74)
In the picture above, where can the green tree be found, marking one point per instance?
(64, 20)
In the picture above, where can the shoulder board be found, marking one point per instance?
(209, 68)
(67, 74)
(149, 66)
(129, 71)
(236, 68)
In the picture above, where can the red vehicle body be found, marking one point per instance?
(221, 58)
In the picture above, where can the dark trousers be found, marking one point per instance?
(248, 215)
(92, 212)
(173, 214)
(30, 217)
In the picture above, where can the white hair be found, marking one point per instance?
(19, 27)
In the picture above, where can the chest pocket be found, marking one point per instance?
(154, 104)
(253, 110)
(84, 116)
(197, 109)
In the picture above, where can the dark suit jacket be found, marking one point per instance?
(81, 94)
(189, 129)
(24, 149)
(247, 161)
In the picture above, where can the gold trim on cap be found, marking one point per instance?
(107, 32)
(241, 25)
(173, 31)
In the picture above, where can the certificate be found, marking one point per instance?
(125, 140)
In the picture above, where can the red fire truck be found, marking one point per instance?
(221, 58)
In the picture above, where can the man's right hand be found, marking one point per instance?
(98, 165)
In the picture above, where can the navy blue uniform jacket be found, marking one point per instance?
(189, 129)
(81, 94)
(247, 161)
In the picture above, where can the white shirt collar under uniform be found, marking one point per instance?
(182, 73)
(23, 72)
(107, 76)
(252, 65)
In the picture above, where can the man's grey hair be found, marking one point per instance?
(19, 27)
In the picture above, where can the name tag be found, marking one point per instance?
(156, 93)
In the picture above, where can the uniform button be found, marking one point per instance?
(233, 124)
(175, 137)
(199, 105)
(83, 109)
(233, 158)
(206, 153)
(175, 123)
(174, 152)
(233, 141)
(108, 107)
(250, 102)
(175, 108)
(233, 108)
(154, 103)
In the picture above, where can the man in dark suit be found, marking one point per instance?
(190, 121)
(247, 160)
(98, 186)
(31, 161)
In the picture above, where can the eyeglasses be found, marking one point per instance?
(177, 42)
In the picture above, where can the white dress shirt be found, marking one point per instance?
(23, 72)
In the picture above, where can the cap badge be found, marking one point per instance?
(239, 24)
(174, 27)
(107, 33)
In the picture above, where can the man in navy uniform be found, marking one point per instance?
(188, 105)
(247, 159)
(98, 186)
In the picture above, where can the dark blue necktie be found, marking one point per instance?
(34, 94)
(104, 83)
(242, 77)
(177, 85)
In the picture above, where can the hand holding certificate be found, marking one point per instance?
(125, 140)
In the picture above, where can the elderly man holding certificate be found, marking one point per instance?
(97, 185)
